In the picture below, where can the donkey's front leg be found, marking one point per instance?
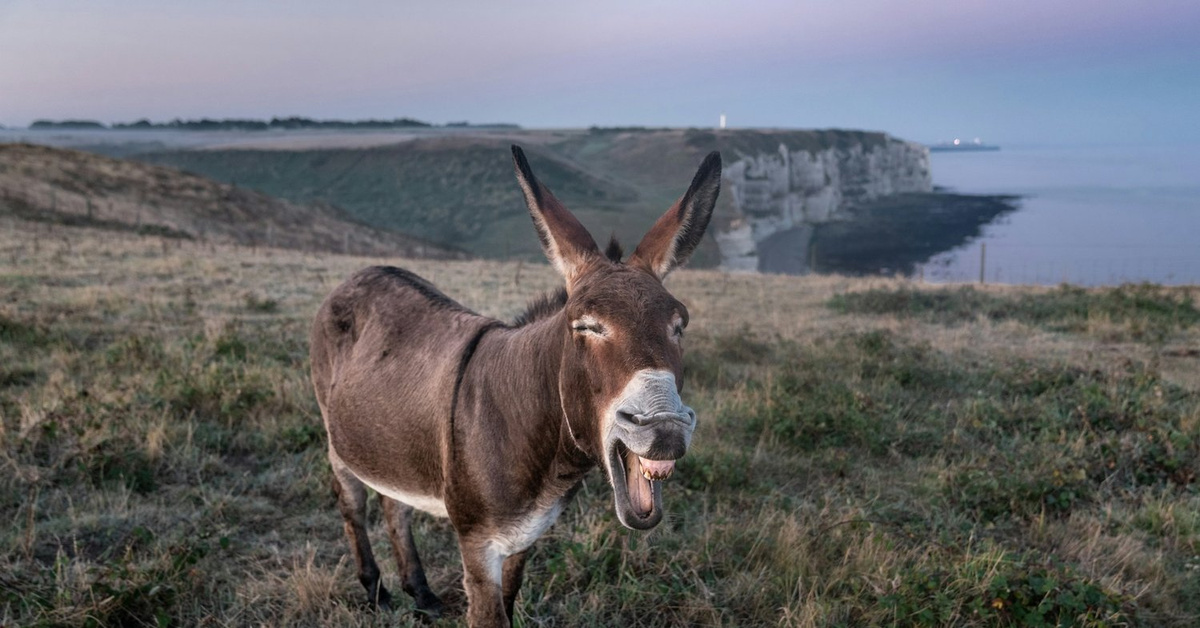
(483, 569)
(514, 569)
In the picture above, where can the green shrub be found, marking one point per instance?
(1011, 590)
(715, 470)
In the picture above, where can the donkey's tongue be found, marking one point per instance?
(641, 490)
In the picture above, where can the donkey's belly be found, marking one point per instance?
(399, 458)
(428, 503)
(386, 418)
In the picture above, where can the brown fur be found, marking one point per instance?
(496, 422)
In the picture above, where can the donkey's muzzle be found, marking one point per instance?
(648, 429)
(657, 436)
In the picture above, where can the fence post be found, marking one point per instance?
(982, 260)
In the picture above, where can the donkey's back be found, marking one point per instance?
(385, 351)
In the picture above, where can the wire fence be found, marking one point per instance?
(1087, 265)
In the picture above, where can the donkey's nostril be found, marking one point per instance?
(632, 418)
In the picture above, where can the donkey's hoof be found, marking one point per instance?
(381, 602)
(429, 607)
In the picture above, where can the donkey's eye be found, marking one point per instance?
(588, 325)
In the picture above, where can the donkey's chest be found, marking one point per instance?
(519, 533)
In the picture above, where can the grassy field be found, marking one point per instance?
(869, 452)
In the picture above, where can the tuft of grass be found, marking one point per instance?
(261, 305)
(1149, 311)
(22, 333)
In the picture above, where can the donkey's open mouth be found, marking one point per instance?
(637, 484)
(650, 429)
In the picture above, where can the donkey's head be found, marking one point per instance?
(622, 362)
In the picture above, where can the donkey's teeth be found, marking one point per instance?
(656, 469)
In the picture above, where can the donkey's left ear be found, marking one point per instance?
(671, 241)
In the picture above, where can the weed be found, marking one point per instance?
(22, 333)
(1008, 589)
(260, 305)
(17, 378)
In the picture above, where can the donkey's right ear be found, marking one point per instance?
(566, 242)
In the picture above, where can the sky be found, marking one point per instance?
(1039, 72)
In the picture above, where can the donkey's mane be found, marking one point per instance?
(551, 303)
(544, 306)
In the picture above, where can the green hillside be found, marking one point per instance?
(442, 189)
(460, 190)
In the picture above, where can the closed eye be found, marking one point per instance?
(588, 325)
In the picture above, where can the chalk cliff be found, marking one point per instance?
(779, 196)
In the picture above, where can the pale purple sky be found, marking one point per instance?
(1019, 71)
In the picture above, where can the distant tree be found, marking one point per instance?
(140, 124)
(243, 124)
(66, 124)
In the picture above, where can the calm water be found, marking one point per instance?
(1092, 216)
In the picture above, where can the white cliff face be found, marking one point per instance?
(790, 189)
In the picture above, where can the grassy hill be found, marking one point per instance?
(58, 186)
(869, 452)
(460, 188)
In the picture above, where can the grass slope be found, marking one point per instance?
(454, 190)
(868, 452)
(69, 187)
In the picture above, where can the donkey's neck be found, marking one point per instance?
(516, 372)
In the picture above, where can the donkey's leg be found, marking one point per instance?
(514, 569)
(352, 502)
(412, 575)
(482, 575)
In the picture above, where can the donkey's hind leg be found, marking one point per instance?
(412, 575)
(352, 502)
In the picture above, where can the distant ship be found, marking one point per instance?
(959, 146)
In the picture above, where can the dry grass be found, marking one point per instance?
(164, 462)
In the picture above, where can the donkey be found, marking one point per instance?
(494, 425)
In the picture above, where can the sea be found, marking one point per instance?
(1094, 215)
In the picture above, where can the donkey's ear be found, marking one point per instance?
(567, 244)
(672, 239)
